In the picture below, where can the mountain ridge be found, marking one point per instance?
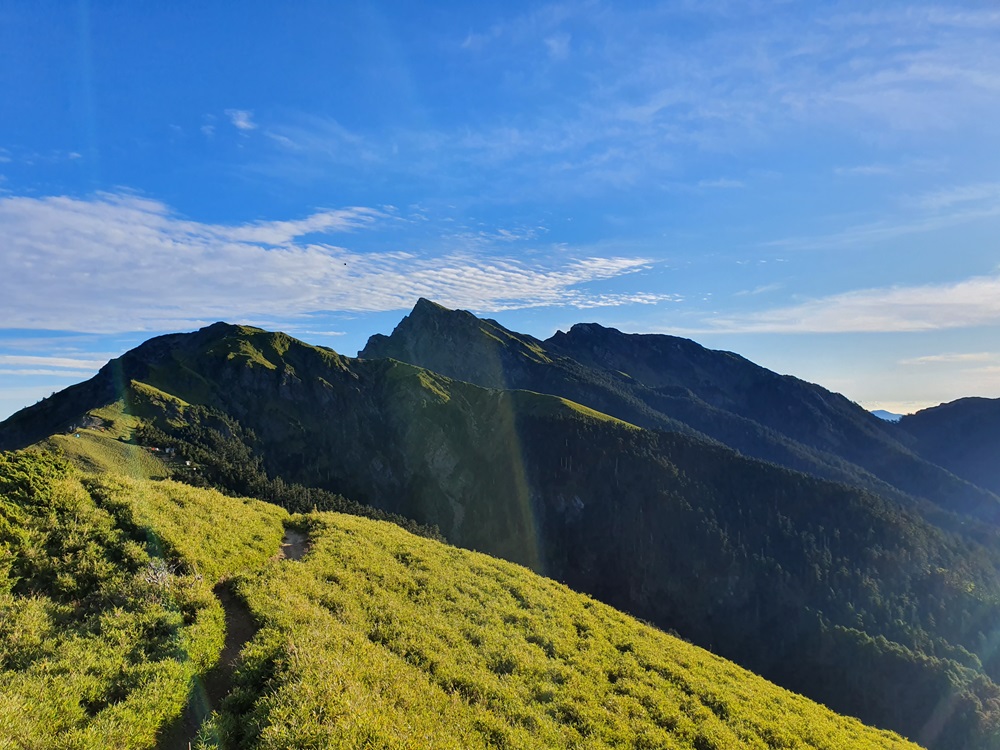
(669, 383)
(962, 435)
(789, 574)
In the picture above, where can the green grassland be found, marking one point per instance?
(377, 638)
(382, 639)
(93, 451)
(211, 534)
(100, 637)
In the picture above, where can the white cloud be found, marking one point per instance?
(899, 407)
(70, 362)
(948, 359)
(643, 96)
(646, 89)
(242, 119)
(75, 374)
(308, 332)
(121, 262)
(968, 303)
(959, 195)
(283, 140)
(763, 289)
(282, 232)
(929, 212)
(477, 42)
(208, 130)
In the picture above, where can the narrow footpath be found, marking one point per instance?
(209, 692)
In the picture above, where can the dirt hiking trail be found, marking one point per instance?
(208, 692)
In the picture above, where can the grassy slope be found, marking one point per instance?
(379, 638)
(104, 622)
(376, 639)
(100, 445)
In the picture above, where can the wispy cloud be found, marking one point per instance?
(951, 359)
(991, 371)
(75, 374)
(763, 289)
(722, 182)
(69, 362)
(30, 157)
(926, 212)
(558, 46)
(984, 194)
(968, 303)
(120, 262)
(864, 170)
(242, 119)
(310, 332)
(283, 232)
(645, 91)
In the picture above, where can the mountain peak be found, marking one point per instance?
(586, 327)
(426, 310)
(427, 322)
(425, 305)
(454, 343)
(593, 329)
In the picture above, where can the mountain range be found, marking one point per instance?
(766, 518)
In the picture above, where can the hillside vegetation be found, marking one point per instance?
(786, 574)
(99, 635)
(963, 436)
(377, 638)
(398, 641)
(790, 576)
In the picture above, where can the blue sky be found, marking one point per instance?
(813, 185)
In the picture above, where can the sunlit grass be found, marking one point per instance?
(377, 638)
(94, 451)
(215, 535)
(382, 639)
(100, 637)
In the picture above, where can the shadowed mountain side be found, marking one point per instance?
(804, 412)
(669, 383)
(963, 436)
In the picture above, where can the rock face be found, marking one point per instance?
(458, 344)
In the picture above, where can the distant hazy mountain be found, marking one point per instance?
(846, 595)
(888, 416)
